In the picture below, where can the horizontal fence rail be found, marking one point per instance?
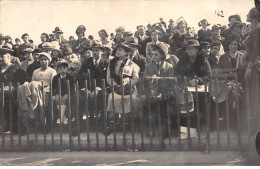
(154, 114)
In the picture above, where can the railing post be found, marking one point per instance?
(87, 112)
(11, 114)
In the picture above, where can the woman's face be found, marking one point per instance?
(154, 36)
(102, 35)
(44, 61)
(233, 46)
(121, 53)
(192, 51)
(216, 32)
(119, 35)
(25, 39)
(71, 58)
(182, 25)
(55, 53)
(215, 50)
(237, 30)
(157, 56)
(43, 38)
(80, 35)
(232, 20)
(204, 24)
(88, 54)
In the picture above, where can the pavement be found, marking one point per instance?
(174, 158)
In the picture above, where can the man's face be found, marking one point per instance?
(216, 32)
(156, 56)
(233, 46)
(80, 35)
(97, 53)
(58, 35)
(192, 51)
(43, 38)
(102, 35)
(71, 58)
(232, 20)
(26, 39)
(28, 56)
(141, 30)
(206, 50)
(4, 59)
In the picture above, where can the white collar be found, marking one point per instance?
(97, 61)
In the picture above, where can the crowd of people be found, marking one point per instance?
(155, 50)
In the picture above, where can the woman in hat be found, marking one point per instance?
(7, 48)
(155, 41)
(76, 46)
(215, 34)
(192, 64)
(46, 47)
(119, 38)
(44, 38)
(45, 75)
(235, 32)
(10, 73)
(104, 38)
(122, 69)
(204, 32)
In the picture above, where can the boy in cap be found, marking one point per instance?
(62, 70)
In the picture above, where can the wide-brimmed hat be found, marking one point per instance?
(81, 29)
(66, 50)
(57, 30)
(171, 20)
(204, 44)
(234, 16)
(25, 34)
(36, 51)
(158, 26)
(192, 43)
(123, 45)
(203, 20)
(218, 90)
(30, 50)
(97, 44)
(6, 48)
(55, 45)
(47, 45)
(107, 47)
(217, 26)
(163, 47)
(133, 41)
(62, 62)
(45, 54)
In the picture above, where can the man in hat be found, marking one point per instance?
(59, 36)
(76, 46)
(96, 65)
(29, 58)
(215, 34)
(7, 48)
(127, 35)
(162, 22)
(143, 39)
(137, 58)
(2, 40)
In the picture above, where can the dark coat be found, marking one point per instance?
(55, 84)
(140, 60)
(200, 68)
(97, 73)
(13, 74)
(32, 67)
(203, 35)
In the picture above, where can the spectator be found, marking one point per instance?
(44, 38)
(204, 32)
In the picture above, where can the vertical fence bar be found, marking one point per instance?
(69, 113)
(19, 120)
(52, 118)
(132, 117)
(187, 111)
(217, 113)
(159, 123)
(178, 119)
(207, 108)
(248, 113)
(168, 119)
(258, 99)
(11, 114)
(197, 110)
(36, 128)
(87, 112)
(44, 117)
(96, 113)
(3, 116)
(114, 114)
(28, 128)
(238, 113)
(77, 114)
(150, 120)
(141, 113)
(105, 111)
(123, 112)
(61, 118)
(227, 115)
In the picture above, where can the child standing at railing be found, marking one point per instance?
(62, 69)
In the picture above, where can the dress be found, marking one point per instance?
(130, 71)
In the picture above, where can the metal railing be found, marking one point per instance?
(91, 128)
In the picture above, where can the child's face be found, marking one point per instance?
(121, 53)
(88, 54)
(206, 49)
(233, 46)
(157, 56)
(154, 36)
(215, 50)
(62, 69)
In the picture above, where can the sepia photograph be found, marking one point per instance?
(129, 83)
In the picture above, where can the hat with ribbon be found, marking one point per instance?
(42, 54)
